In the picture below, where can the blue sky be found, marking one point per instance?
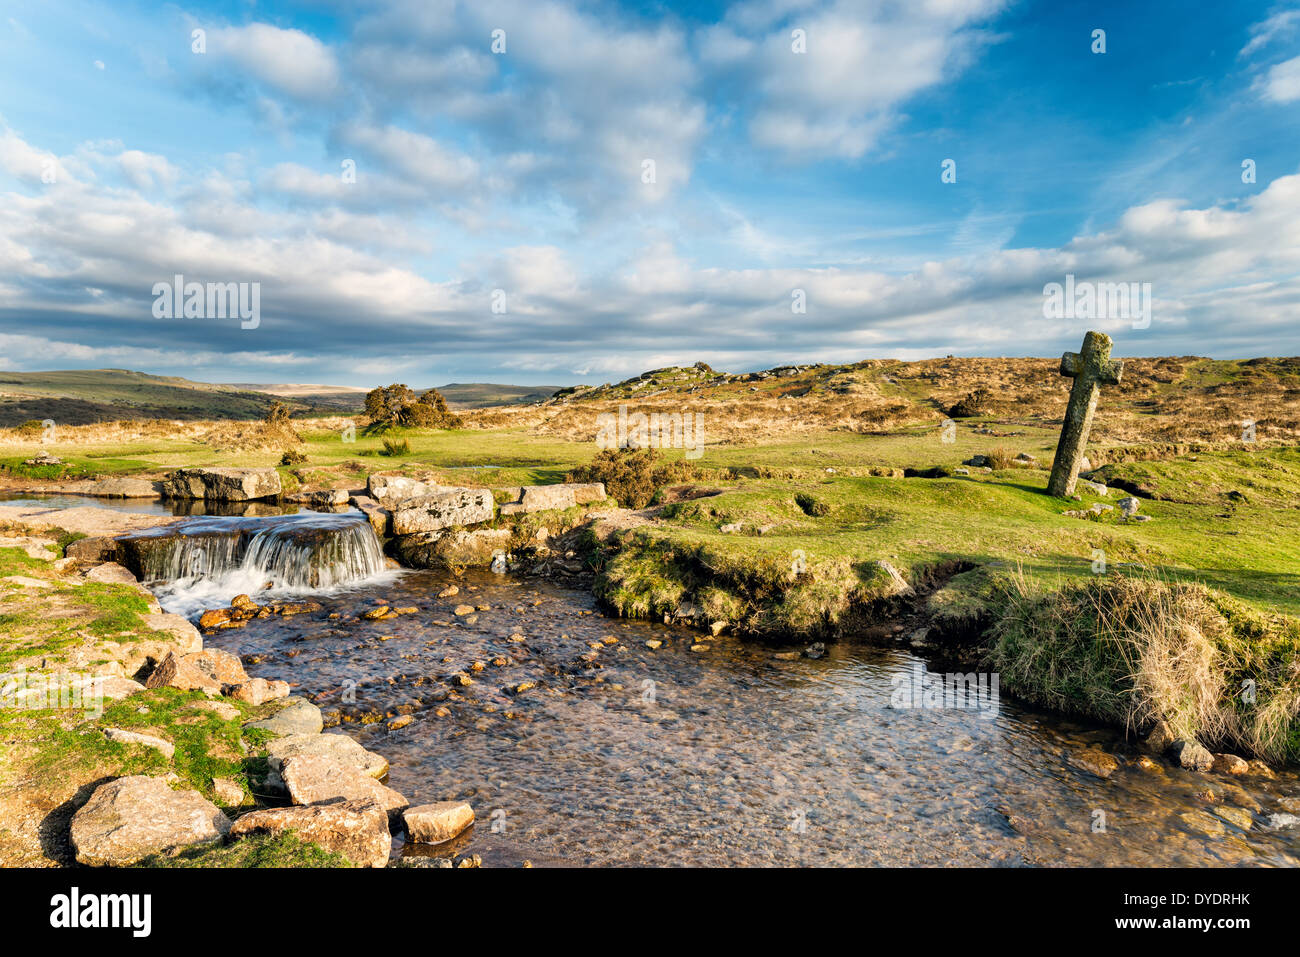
(126, 157)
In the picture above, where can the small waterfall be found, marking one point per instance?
(207, 562)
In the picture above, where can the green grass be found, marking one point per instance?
(258, 850)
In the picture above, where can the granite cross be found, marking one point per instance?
(1091, 368)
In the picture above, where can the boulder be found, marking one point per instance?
(122, 488)
(229, 791)
(380, 518)
(130, 818)
(222, 484)
(356, 829)
(318, 498)
(540, 498)
(1191, 755)
(437, 823)
(452, 547)
(1160, 738)
(585, 492)
(257, 691)
(298, 716)
(388, 489)
(185, 637)
(1229, 764)
(339, 749)
(1129, 506)
(147, 740)
(444, 509)
(175, 672)
(111, 573)
(221, 666)
(97, 549)
(317, 779)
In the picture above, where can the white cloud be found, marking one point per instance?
(1282, 82)
(289, 61)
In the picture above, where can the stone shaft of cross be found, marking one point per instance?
(1091, 368)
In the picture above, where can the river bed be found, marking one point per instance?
(724, 756)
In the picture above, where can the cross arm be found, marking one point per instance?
(1110, 371)
(1071, 364)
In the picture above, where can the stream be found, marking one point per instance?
(579, 744)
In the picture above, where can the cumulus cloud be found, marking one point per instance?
(1281, 84)
(289, 61)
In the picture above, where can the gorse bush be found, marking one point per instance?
(632, 476)
(974, 403)
(398, 405)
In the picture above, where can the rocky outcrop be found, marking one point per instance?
(437, 823)
(446, 508)
(318, 498)
(222, 484)
(130, 818)
(450, 548)
(356, 829)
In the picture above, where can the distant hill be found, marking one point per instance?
(479, 395)
(82, 396)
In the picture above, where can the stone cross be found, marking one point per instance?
(1091, 368)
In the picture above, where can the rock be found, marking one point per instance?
(732, 528)
(718, 627)
(298, 716)
(96, 549)
(184, 635)
(130, 818)
(214, 617)
(175, 672)
(390, 489)
(228, 791)
(111, 573)
(122, 488)
(222, 484)
(1238, 817)
(339, 749)
(1129, 506)
(1146, 764)
(257, 691)
(400, 722)
(1191, 755)
(380, 518)
(586, 492)
(815, 650)
(375, 613)
(977, 461)
(219, 665)
(463, 610)
(541, 498)
(1160, 738)
(356, 829)
(317, 779)
(318, 498)
(1026, 458)
(437, 823)
(1259, 767)
(135, 737)
(451, 548)
(449, 591)
(1096, 488)
(1094, 761)
(448, 507)
(1229, 764)
(1198, 822)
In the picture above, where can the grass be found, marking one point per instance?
(258, 850)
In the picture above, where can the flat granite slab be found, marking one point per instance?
(85, 519)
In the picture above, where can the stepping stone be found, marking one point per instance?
(437, 823)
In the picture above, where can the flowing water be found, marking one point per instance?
(619, 754)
